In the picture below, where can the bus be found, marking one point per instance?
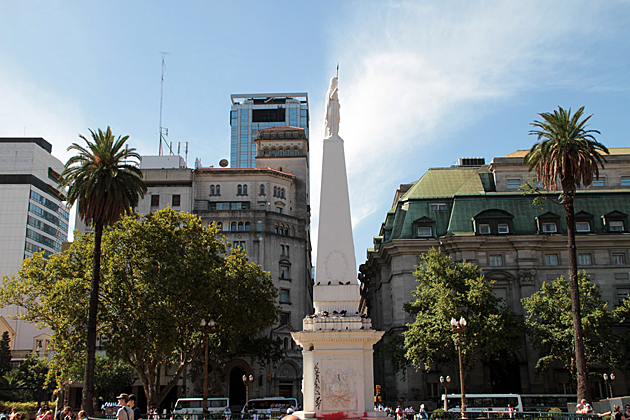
(270, 405)
(194, 405)
(547, 402)
(485, 402)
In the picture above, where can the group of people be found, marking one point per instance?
(128, 409)
(616, 414)
(404, 413)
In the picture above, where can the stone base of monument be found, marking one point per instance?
(303, 415)
(337, 350)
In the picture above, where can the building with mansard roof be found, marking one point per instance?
(476, 212)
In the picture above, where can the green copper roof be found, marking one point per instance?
(447, 182)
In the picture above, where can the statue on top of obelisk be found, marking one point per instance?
(331, 123)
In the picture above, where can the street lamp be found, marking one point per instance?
(251, 379)
(609, 382)
(445, 384)
(459, 327)
(206, 328)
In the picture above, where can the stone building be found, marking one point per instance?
(475, 212)
(264, 210)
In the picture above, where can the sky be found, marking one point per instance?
(421, 83)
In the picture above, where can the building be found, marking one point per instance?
(252, 112)
(475, 212)
(33, 218)
(265, 211)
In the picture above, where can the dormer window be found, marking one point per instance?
(582, 227)
(438, 206)
(583, 222)
(616, 226)
(424, 227)
(424, 231)
(493, 222)
(548, 223)
(615, 221)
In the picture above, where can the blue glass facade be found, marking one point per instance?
(274, 111)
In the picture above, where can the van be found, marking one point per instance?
(194, 405)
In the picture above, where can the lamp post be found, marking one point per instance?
(445, 383)
(608, 381)
(206, 328)
(251, 379)
(459, 327)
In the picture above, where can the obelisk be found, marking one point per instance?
(337, 340)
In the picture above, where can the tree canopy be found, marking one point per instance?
(162, 274)
(449, 290)
(550, 325)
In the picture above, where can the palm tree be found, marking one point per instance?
(106, 185)
(567, 152)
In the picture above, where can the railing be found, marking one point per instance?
(522, 415)
(211, 416)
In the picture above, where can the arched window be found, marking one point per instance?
(273, 152)
(286, 343)
(211, 189)
(244, 189)
(281, 230)
(218, 190)
(247, 226)
(286, 230)
(239, 190)
(295, 151)
(233, 227)
(240, 226)
(266, 152)
(262, 189)
(280, 151)
(292, 231)
(220, 225)
(275, 229)
(282, 193)
(259, 226)
(275, 191)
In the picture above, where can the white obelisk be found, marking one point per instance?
(337, 340)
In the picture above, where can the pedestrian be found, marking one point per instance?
(83, 415)
(626, 414)
(137, 415)
(124, 412)
(511, 411)
(45, 415)
(586, 407)
(422, 412)
(615, 414)
(15, 415)
(67, 414)
(227, 413)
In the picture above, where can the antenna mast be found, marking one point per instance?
(163, 132)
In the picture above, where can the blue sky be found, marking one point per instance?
(422, 83)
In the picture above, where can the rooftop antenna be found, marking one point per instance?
(163, 132)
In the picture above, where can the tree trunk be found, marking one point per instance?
(88, 380)
(583, 388)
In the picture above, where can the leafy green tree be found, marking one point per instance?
(162, 274)
(32, 373)
(568, 152)
(449, 290)
(106, 182)
(110, 376)
(5, 354)
(550, 325)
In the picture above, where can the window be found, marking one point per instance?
(262, 189)
(582, 227)
(503, 228)
(438, 206)
(284, 250)
(244, 189)
(278, 209)
(266, 152)
(585, 259)
(211, 189)
(549, 227)
(259, 226)
(284, 272)
(285, 318)
(622, 293)
(275, 229)
(176, 200)
(495, 260)
(295, 151)
(155, 201)
(513, 184)
(220, 225)
(280, 151)
(616, 226)
(424, 231)
(247, 227)
(218, 190)
(239, 190)
(275, 191)
(285, 296)
(484, 229)
(239, 244)
(282, 193)
(625, 181)
(619, 258)
(273, 152)
(551, 259)
(233, 227)
(601, 182)
(240, 226)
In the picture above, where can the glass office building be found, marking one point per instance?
(251, 112)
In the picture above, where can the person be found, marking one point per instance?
(511, 411)
(67, 414)
(227, 413)
(422, 412)
(137, 415)
(15, 415)
(124, 412)
(4, 415)
(45, 415)
(83, 415)
(586, 407)
(615, 414)
(255, 415)
(626, 414)
(289, 410)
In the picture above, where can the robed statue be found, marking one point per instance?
(331, 123)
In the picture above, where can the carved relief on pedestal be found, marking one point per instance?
(339, 389)
(526, 277)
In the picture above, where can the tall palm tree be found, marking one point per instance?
(569, 153)
(106, 185)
